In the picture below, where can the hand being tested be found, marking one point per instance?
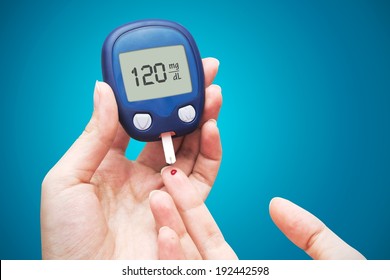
(182, 218)
(186, 228)
(95, 201)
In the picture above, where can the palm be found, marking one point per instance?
(121, 207)
(121, 224)
(103, 212)
(115, 218)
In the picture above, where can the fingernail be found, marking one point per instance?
(162, 170)
(164, 228)
(173, 172)
(152, 192)
(216, 87)
(217, 60)
(96, 95)
(213, 121)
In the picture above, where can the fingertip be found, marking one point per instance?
(294, 221)
(210, 138)
(159, 200)
(96, 96)
(281, 208)
(213, 122)
(210, 67)
(214, 95)
(152, 194)
(276, 208)
(275, 201)
(107, 94)
(271, 202)
(167, 237)
(105, 99)
(215, 60)
(215, 88)
(213, 103)
(211, 147)
(105, 117)
(179, 187)
(166, 231)
(212, 61)
(103, 87)
(169, 246)
(163, 169)
(308, 232)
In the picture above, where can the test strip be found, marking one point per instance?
(169, 151)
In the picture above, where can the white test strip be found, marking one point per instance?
(169, 151)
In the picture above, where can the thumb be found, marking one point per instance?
(309, 233)
(85, 155)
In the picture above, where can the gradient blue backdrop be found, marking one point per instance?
(306, 111)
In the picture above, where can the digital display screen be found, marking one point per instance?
(155, 73)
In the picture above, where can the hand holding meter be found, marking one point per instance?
(155, 70)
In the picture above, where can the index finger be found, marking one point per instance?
(309, 233)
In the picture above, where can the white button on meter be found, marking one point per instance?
(187, 114)
(142, 121)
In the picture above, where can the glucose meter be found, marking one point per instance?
(156, 73)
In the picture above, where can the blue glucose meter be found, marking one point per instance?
(155, 70)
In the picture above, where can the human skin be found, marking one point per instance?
(180, 212)
(95, 202)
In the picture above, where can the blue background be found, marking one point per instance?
(306, 112)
